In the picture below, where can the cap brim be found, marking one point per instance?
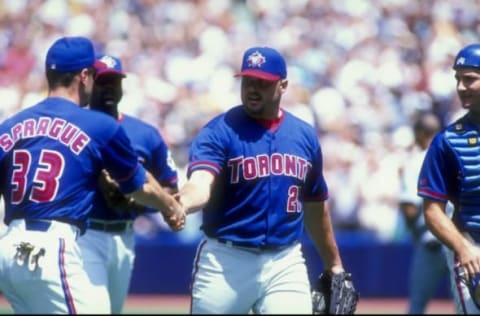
(97, 64)
(110, 72)
(258, 74)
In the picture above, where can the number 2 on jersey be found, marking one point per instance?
(294, 205)
(46, 176)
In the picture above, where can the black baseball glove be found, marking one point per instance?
(334, 294)
(112, 195)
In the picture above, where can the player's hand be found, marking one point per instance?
(469, 259)
(176, 218)
(184, 202)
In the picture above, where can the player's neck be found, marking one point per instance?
(114, 112)
(69, 93)
(474, 116)
(266, 115)
(272, 124)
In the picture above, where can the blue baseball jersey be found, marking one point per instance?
(263, 176)
(438, 179)
(443, 176)
(51, 155)
(153, 154)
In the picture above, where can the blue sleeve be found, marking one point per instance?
(163, 166)
(438, 175)
(122, 163)
(206, 151)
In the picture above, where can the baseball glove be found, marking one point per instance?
(334, 294)
(112, 195)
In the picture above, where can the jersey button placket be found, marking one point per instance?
(270, 212)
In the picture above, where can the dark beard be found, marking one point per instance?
(105, 104)
(84, 97)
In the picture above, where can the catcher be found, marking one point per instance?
(334, 294)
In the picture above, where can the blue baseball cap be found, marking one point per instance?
(264, 63)
(108, 64)
(69, 54)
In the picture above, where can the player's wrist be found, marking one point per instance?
(171, 207)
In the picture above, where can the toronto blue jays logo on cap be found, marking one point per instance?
(256, 60)
(263, 63)
(109, 64)
(109, 61)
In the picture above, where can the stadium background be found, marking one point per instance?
(359, 70)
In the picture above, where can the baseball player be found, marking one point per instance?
(450, 172)
(256, 172)
(428, 266)
(108, 245)
(51, 156)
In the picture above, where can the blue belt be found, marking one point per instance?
(267, 247)
(112, 227)
(43, 224)
(37, 224)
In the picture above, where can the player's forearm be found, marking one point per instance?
(139, 208)
(135, 207)
(195, 194)
(193, 197)
(319, 227)
(442, 226)
(153, 195)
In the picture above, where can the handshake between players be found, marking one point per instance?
(154, 196)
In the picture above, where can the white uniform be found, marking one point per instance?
(61, 267)
(109, 258)
(51, 156)
(280, 275)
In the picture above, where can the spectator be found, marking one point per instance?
(380, 59)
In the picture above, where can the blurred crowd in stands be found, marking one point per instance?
(359, 70)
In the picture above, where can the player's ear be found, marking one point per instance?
(283, 85)
(87, 72)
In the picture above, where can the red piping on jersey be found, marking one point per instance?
(172, 180)
(204, 165)
(130, 175)
(120, 118)
(434, 195)
(272, 125)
